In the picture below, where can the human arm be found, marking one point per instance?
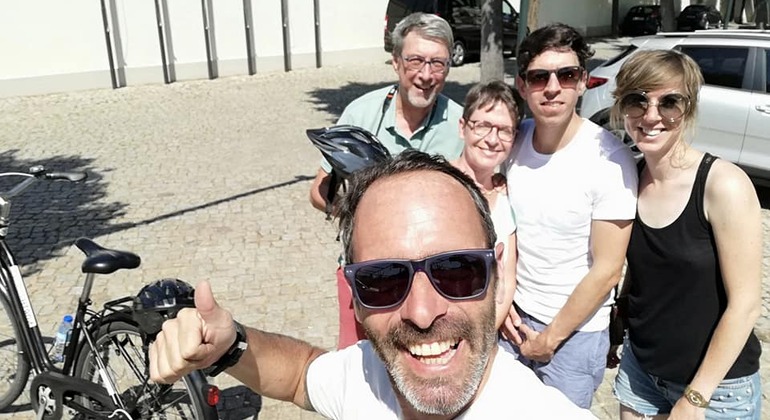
(733, 210)
(319, 190)
(609, 240)
(272, 365)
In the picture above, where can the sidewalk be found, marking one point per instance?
(204, 180)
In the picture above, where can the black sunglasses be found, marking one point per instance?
(671, 106)
(568, 77)
(456, 275)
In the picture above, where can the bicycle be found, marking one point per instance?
(104, 373)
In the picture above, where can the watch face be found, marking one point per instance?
(695, 398)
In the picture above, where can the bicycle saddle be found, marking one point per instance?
(101, 260)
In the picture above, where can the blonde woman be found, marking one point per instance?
(693, 279)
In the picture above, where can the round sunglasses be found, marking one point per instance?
(671, 106)
(456, 275)
(568, 77)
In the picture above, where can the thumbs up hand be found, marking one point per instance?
(194, 340)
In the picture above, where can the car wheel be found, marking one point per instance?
(621, 134)
(458, 54)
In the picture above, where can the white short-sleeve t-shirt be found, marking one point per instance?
(354, 384)
(556, 197)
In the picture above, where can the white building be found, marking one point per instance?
(53, 45)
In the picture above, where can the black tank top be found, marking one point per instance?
(677, 295)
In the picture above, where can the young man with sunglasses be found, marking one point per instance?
(573, 189)
(419, 242)
(412, 114)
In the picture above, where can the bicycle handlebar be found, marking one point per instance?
(38, 172)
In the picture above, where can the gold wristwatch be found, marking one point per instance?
(695, 398)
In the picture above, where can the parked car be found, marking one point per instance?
(641, 20)
(734, 110)
(698, 16)
(464, 16)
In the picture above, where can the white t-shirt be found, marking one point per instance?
(503, 219)
(354, 384)
(555, 198)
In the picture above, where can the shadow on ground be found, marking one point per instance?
(50, 215)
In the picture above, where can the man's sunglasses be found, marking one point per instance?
(568, 77)
(671, 106)
(456, 275)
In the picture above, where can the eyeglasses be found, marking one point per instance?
(482, 129)
(671, 106)
(568, 77)
(416, 63)
(456, 275)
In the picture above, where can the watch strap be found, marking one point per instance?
(232, 355)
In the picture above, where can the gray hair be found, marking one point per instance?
(407, 161)
(428, 26)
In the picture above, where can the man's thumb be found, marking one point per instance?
(207, 306)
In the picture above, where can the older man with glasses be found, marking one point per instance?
(412, 114)
(424, 268)
(573, 190)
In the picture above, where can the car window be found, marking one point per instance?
(425, 6)
(620, 56)
(721, 66)
(767, 71)
(507, 9)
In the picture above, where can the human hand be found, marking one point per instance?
(683, 410)
(536, 345)
(613, 359)
(510, 327)
(194, 340)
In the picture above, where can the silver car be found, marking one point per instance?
(734, 110)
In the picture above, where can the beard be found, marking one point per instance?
(446, 394)
(416, 99)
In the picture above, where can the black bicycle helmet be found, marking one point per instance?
(159, 301)
(348, 148)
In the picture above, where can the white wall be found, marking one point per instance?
(56, 40)
(590, 17)
(51, 45)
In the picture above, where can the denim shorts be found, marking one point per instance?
(738, 398)
(577, 367)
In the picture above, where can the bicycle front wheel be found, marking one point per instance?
(14, 366)
(119, 345)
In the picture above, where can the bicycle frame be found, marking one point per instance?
(56, 387)
(14, 291)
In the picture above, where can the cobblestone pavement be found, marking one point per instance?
(204, 180)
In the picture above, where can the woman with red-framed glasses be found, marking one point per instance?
(488, 128)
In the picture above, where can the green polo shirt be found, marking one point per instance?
(438, 134)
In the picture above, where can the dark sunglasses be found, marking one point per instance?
(456, 275)
(671, 106)
(568, 77)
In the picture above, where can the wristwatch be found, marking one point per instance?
(232, 355)
(695, 398)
